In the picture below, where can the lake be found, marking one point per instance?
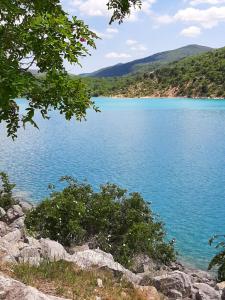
(170, 150)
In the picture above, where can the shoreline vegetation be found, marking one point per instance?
(31, 252)
(181, 260)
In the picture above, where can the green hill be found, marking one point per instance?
(197, 76)
(149, 63)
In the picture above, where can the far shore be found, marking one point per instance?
(160, 97)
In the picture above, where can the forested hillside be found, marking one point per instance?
(149, 63)
(197, 76)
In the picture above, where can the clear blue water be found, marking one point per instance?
(172, 151)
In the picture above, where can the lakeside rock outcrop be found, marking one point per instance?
(149, 277)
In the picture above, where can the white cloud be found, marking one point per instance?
(108, 34)
(102, 35)
(139, 48)
(207, 18)
(211, 2)
(112, 30)
(131, 42)
(146, 5)
(136, 46)
(91, 7)
(164, 19)
(117, 55)
(99, 8)
(192, 31)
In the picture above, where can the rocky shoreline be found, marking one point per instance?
(154, 280)
(121, 96)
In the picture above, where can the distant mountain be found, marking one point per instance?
(149, 63)
(197, 76)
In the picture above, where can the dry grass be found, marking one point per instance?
(66, 280)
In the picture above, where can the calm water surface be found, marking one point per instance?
(172, 151)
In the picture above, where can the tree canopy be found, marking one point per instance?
(40, 34)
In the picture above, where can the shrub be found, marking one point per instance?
(110, 219)
(6, 198)
(219, 259)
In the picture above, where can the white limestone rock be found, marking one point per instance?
(89, 258)
(223, 294)
(206, 292)
(18, 223)
(30, 255)
(52, 250)
(176, 280)
(4, 229)
(220, 286)
(14, 213)
(12, 237)
(11, 289)
(26, 206)
(148, 292)
(2, 213)
(100, 283)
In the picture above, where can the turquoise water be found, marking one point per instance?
(172, 151)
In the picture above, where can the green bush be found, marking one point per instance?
(6, 198)
(218, 260)
(110, 219)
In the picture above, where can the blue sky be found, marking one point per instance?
(160, 25)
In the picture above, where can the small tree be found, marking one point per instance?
(6, 198)
(110, 219)
(218, 260)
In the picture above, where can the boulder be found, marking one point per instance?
(177, 266)
(11, 249)
(52, 250)
(26, 206)
(33, 242)
(18, 223)
(2, 213)
(199, 276)
(148, 292)
(174, 294)
(14, 213)
(4, 229)
(220, 286)
(143, 263)
(74, 249)
(5, 256)
(12, 242)
(176, 280)
(12, 237)
(206, 292)
(30, 255)
(89, 258)
(223, 295)
(147, 279)
(11, 289)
